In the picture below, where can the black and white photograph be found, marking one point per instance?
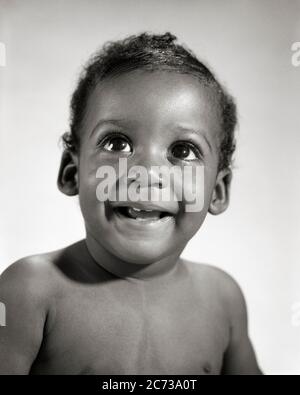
(150, 189)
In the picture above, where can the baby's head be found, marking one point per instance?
(151, 102)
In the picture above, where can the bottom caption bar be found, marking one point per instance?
(147, 383)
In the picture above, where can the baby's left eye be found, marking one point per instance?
(184, 151)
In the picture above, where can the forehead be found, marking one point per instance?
(155, 100)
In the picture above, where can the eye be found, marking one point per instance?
(185, 151)
(116, 143)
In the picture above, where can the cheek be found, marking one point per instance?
(88, 167)
(196, 200)
(92, 164)
(87, 182)
(195, 188)
(91, 180)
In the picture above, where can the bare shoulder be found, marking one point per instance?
(213, 273)
(27, 288)
(42, 277)
(221, 284)
(239, 357)
(31, 276)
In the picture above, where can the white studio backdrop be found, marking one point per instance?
(248, 45)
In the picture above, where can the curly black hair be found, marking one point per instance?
(151, 52)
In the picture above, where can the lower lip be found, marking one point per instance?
(139, 224)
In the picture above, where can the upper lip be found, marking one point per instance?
(169, 207)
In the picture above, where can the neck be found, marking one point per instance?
(131, 271)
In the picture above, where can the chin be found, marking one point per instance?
(140, 253)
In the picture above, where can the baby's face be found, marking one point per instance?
(148, 119)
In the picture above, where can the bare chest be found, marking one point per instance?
(123, 330)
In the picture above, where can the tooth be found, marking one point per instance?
(142, 215)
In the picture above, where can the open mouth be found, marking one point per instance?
(141, 215)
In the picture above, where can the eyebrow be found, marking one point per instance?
(196, 132)
(118, 122)
(124, 122)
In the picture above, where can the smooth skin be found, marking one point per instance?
(123, 301)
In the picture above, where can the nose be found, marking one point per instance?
(150, 160)
(154, 178)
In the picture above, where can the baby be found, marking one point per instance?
(123, 301)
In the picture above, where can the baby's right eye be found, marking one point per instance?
(116, 144)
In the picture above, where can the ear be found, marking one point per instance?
(220, 196)
(67, 180)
